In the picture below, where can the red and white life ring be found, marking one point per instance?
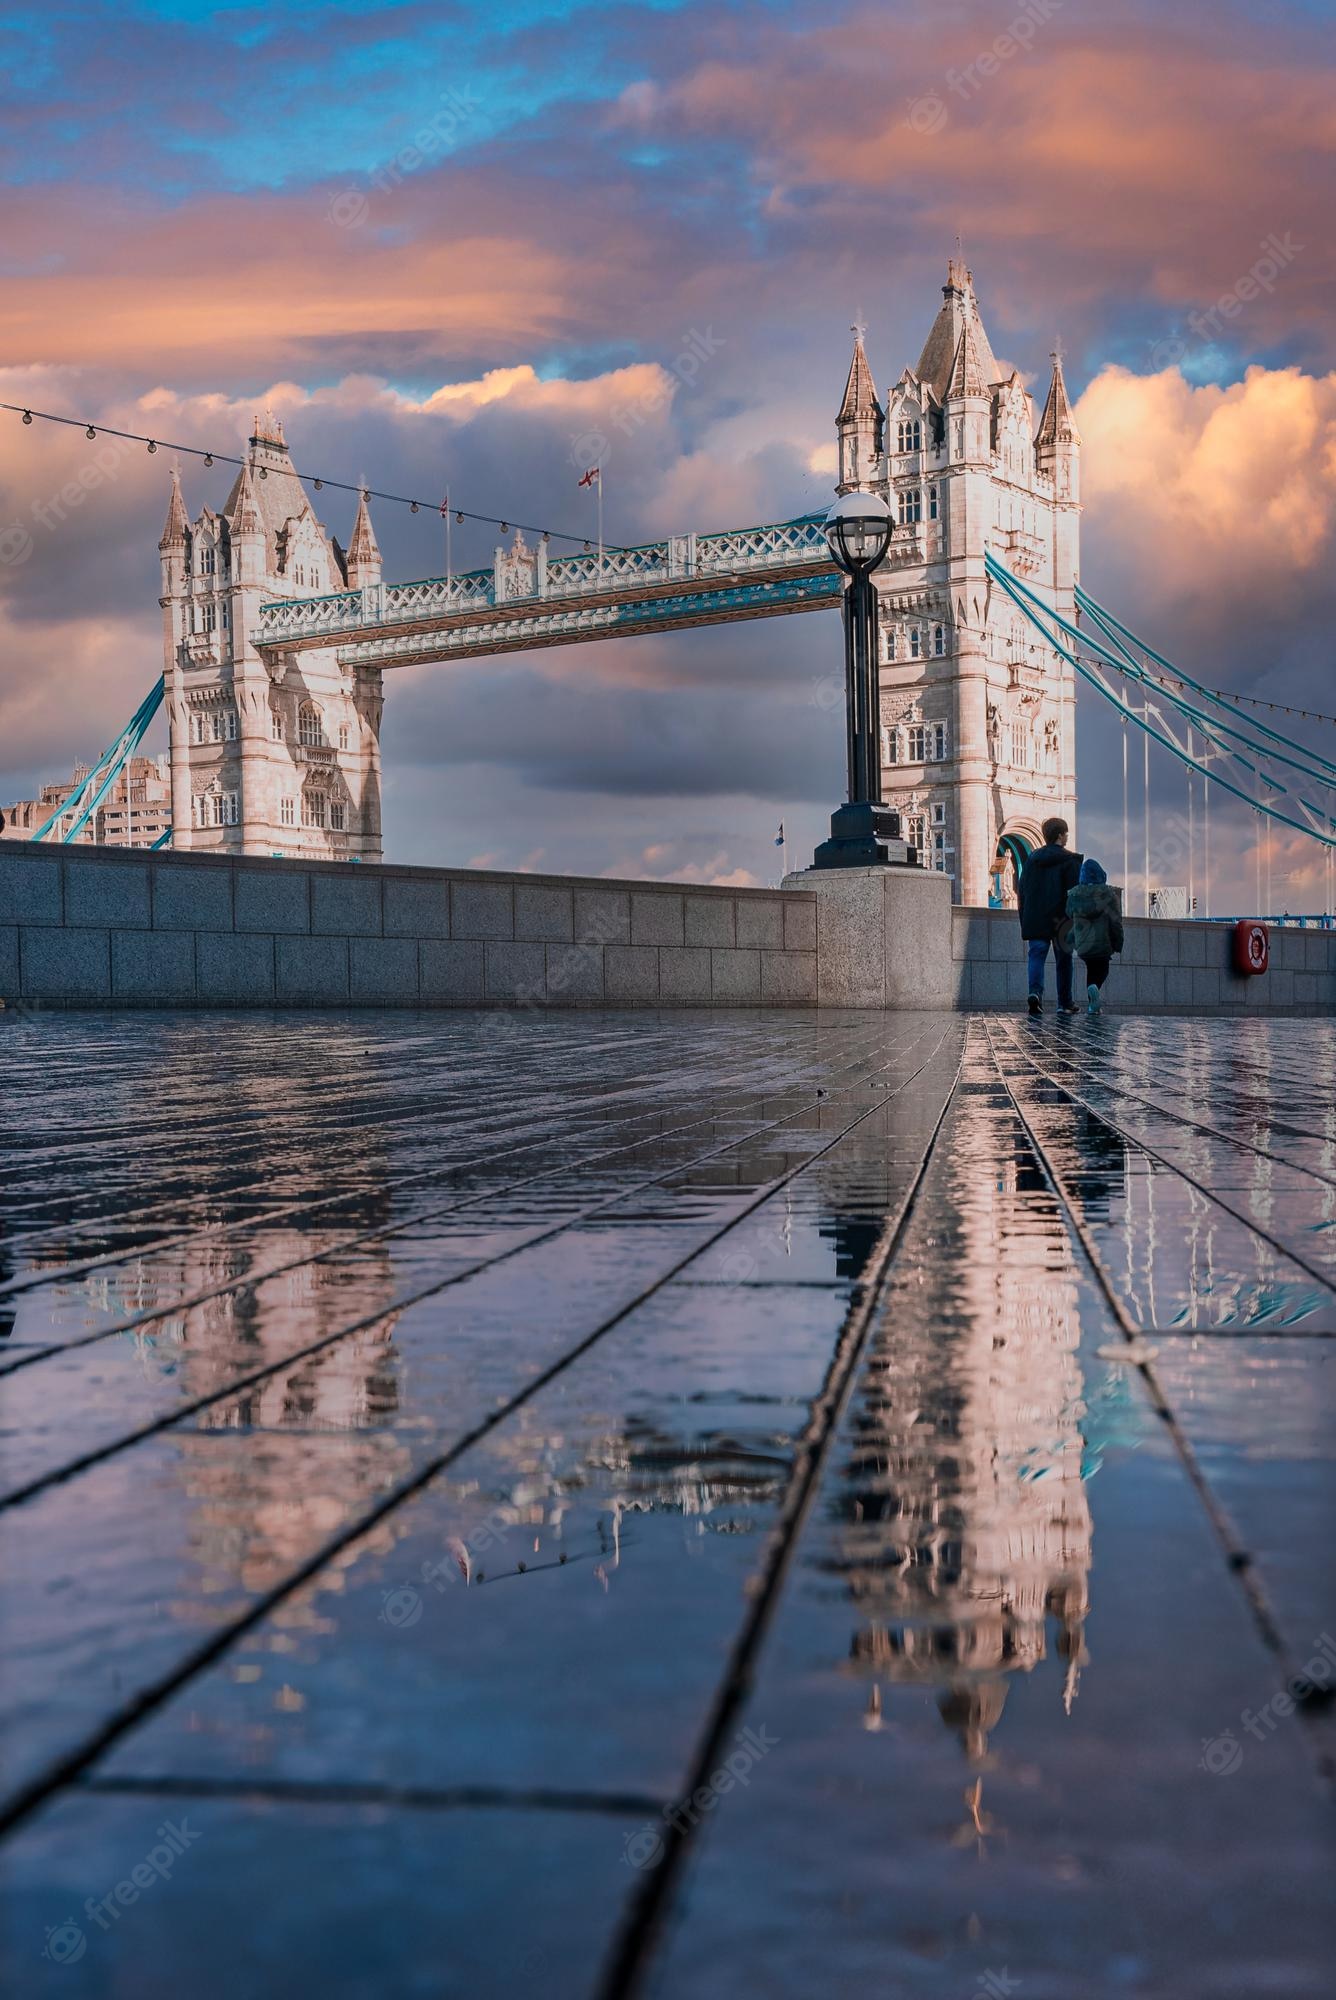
(1252, 946)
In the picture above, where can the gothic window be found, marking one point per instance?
(888, 644)
(910, 503)
(230, 809)
(915, 832)
(915, 643)
(210, 617)
(287, 812)
(918, 744)
(939, 815)
(301, 574)
(1020, 745)
(309, 731)
(315, 579)
(910, 434)
(206, 562)
(276, 725)
(939, 740)
(938, 641)
(890, 746)
(225, 614)
(343, 736)
(337, 815)
(932, 503)
(313, 809)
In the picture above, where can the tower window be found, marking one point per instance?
(210, 617)
(932, 503)
(910, 504)
(343, 736)
(276, 725)
(1020, 746)
(939, 815)
(918, 744)
(888, 644)
(313, 809)
(337, 815)
(910, 434)
(890, 739)
(915, 643)
(939, 741)
(287, 812)
(309, 731)
(938, 641)
(206, 562)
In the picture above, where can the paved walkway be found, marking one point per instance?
(602, 1504)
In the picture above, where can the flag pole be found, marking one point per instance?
(600, 523)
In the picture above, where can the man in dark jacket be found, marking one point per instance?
(1046, 877)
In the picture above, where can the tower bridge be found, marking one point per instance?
(276, 638)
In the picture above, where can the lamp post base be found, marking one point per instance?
(864, 836)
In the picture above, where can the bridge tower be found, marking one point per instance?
(269, 754)
(978, 717)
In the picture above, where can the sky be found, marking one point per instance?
(485, 246)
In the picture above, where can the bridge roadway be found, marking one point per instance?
(666, 1504)
(528, 599)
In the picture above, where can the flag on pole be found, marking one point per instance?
(779, 837)
(594, 478)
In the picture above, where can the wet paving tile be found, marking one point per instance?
(451, 1559)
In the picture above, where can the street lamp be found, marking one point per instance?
(858, 528)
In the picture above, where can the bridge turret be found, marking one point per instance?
(1057, 444)
(363, 549)
(859, 423)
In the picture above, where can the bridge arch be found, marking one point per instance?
(1018, 839)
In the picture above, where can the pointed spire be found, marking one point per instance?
(959, 308)
(363, 560)
(178, 525)
(363, 547)
(245, 517)
(1057, 425)
(967, 376)
(860, 391)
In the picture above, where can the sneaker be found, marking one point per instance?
(1094, 999)
(1035, 1004)
(1069, 1008)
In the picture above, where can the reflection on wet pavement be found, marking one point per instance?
(427, 1460)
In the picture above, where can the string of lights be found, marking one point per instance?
(1252, 700)
(442, 507)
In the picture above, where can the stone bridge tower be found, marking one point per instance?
(978, 715)
(269, 755)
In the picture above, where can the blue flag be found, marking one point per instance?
(779, 837)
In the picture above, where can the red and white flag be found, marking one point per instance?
(593, 473)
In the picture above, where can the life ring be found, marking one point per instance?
(1252, 946)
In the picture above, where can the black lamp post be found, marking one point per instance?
(858, 528)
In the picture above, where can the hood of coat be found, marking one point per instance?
(1049, 857)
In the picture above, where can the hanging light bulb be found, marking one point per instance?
(586, 548)
(412, 506)
(503, 528)
(90, 432)
(152, 447)
(208, 458)
(264, 472)
(459, 518)
(27, 416)
(319, 485)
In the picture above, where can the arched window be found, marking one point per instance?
(910, 434)
(309, 730)
(343, 736)
(890, 746)
(276, 724)
(918, 744)
(888, 643)
(932, 503)
(938, 641)
(313, 809)
(915, 643)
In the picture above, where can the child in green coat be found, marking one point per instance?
(1097, 928)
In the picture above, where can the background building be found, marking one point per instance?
(978, 716)
(136, 811)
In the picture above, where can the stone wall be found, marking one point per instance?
(96, 927)
(1166, 967)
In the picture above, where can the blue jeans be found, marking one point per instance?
(1038, 962)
